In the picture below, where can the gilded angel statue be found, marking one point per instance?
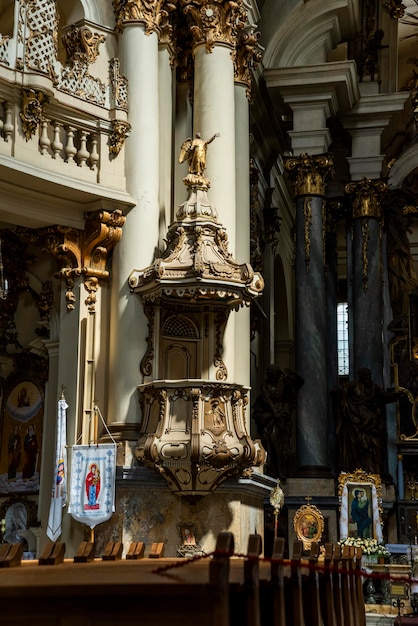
(194, 151)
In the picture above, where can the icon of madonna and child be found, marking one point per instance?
(92, 483)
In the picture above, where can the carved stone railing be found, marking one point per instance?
(50, 137)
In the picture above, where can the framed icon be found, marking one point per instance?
(361, 510)
(308, 523)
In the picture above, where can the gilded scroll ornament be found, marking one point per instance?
(395, 8)
(32, 112)
(365, 239)
(307, 225)
(209, 444)
(215, 21)
(120, 131)
(83, 253)
(80, 40)
(309, 174)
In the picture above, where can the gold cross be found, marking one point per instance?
(308, 499)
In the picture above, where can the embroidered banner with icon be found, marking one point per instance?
(59, 488)
(92, 485)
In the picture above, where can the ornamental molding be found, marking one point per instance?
(247, 57)
(82, 253)
(32, 113)
(119, 85)
(309, 174)
(215, 21)
(208, 445)
(81, 41)
(395, 8)
(152, 14)
(120, 131)
(36, 49)
(76, 80)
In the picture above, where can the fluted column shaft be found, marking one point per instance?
(309, 174)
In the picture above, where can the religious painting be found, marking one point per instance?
(309, 525)
(360, 496)
(189, 541)
(188, 535)
(22, 423)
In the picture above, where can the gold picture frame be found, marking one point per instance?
(360, 484)
(308, 523)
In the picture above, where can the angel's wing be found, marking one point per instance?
(185, 149)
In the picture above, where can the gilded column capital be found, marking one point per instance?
(215, 21)
(309, 174)
(153, 14)
(366, 197)
(247, 56)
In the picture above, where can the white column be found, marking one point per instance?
(128, 327)
(242, 219)
(183, 130)
(214, 112)
(166, 141)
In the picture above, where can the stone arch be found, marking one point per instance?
(406, 164)
(96, 11)
(310, 32)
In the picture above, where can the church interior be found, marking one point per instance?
(208, 264)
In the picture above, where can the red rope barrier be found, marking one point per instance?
(307, 565)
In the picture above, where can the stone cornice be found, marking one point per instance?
(334, 82)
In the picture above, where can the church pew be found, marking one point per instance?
(326, 592)
(244, 587)
(272, 598)
(113, 551)
(293, 588)
(11, 554)
(361, 610)
(310, 590)
(337, 584)
(85, 552)
(136, 550)
(53, 553)
(346, 595)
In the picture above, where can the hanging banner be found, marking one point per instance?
(92, 485)
(59, 488)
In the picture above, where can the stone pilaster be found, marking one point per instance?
(309, 175)
(366, 196)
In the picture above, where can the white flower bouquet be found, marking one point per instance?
(371, 547)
